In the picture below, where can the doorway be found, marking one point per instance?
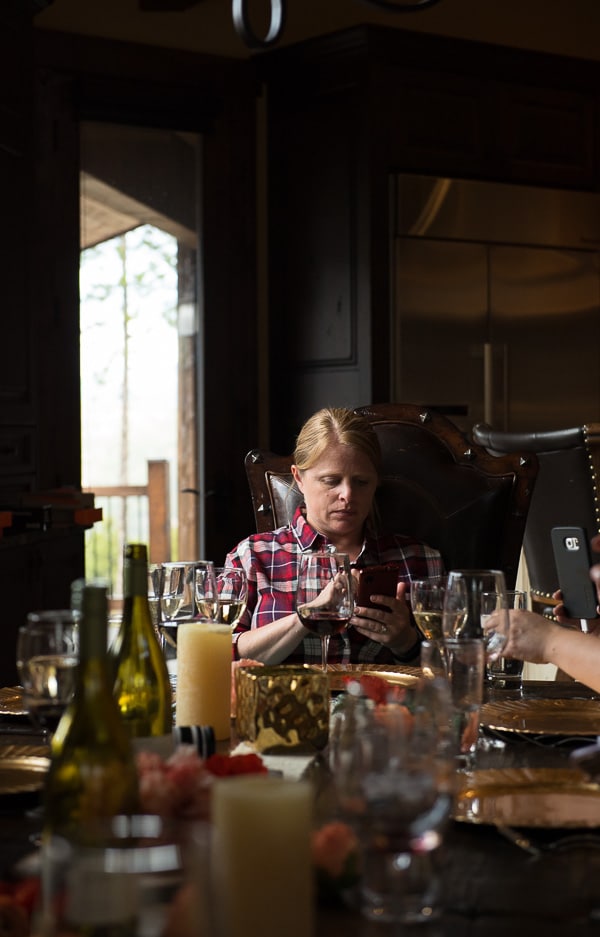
(138, 328)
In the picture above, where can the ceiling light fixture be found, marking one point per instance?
(243, 27)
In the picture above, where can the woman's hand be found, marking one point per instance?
(392, 626)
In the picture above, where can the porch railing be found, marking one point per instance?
(130, 512)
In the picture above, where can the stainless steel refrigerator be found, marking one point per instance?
(496, 299)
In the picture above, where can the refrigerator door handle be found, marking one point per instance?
(488, 384)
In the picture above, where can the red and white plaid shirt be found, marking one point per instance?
(271, 563)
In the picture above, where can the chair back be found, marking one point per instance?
(566, 494)
(436, 486)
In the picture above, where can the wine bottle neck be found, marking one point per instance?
(135, 578)
(94, 624)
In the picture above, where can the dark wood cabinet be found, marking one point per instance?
(345, 113)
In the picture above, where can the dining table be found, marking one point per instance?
(539, 875)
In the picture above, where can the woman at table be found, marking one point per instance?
(536, 639)
(337, 462)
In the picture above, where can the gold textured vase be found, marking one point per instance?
(282, 708)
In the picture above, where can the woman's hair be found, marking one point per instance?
(336, 424)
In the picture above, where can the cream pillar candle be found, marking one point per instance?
(203, 695)
(262, 863)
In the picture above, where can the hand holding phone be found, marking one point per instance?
(376, 580)
(573, 560)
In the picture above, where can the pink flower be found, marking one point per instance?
(334, 847)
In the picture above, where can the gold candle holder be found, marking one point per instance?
(282, 708)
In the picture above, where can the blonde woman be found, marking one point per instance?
(337, 463)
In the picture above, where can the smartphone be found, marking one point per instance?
(573, 560)
(376, 580)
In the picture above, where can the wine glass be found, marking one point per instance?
(393, 775)
(156, 579)
(47, 658)
(504, 672)
(427, 604)
(463, 615)
(222, 597)
(324, 595)
(177, 604)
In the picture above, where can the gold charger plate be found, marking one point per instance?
(528, 797)
(543, 716)
(22, 768)
(11, 701)
(399, 675)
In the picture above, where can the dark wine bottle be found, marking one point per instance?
(92, 770)
(141, 680)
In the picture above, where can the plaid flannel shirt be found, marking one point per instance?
(271, 563)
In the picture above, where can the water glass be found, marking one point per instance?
(47, 657)
(465, 665)
(505, 672)
(393, 776)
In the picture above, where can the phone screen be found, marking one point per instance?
(376, 580)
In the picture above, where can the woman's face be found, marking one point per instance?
(338, 491)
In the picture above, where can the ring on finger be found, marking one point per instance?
(384, 629)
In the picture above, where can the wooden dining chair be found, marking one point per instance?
(566, 494)
(436, 485)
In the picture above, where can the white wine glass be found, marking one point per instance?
(222, 598)
(427, 605)
(177, 604)
(156, 580)
(47, 658)
(324, 595)
(464, 614)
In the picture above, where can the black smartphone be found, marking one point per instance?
(376, 580)
(573, 560)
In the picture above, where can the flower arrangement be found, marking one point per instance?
(180, 786)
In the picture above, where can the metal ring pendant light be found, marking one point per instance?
(243, 26)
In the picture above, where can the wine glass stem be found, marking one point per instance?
(324, 651)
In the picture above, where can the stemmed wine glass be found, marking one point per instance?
(177, 604)
(223, 597)
(47, 658)
(427, 604)
(464, 615)
(324, 595)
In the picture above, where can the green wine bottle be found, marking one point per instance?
(141, 688)
(92, 770)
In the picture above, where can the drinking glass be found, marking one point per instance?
(324, 595)
(504, 672)
(427, 604)
(223, 597)
(178, 604)
(464, 660)
(156, 581)
(47, 658)
(393, 778)
(462, 615)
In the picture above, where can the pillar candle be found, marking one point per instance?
(203, 695)
(262, 862)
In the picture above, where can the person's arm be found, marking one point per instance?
(274, 642)
(533, 638)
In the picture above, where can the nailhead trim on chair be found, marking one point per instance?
(591, 438)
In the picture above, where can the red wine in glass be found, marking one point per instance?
(324, 595)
